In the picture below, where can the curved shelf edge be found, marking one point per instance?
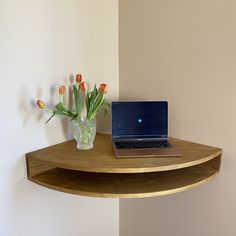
(101, 159)
(135, 169)
(129, 185)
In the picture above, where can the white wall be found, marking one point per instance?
(42, 44)
(184, 51)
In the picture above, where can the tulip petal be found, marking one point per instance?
(78, 78)
(62, 90)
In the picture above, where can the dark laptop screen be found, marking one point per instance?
(146, 119)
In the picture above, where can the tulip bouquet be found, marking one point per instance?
(95, 100)
(84, 127)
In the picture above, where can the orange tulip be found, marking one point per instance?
(62, 89)
(103, 88)
(78, 78)
(83, 86)
(41, 104)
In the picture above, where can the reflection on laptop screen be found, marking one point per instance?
(146, 119)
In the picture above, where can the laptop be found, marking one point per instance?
(140, 129)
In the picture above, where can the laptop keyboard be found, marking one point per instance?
(142, 144)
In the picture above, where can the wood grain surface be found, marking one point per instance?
(127, 185)
(101, 159)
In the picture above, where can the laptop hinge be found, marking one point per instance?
(138, 139)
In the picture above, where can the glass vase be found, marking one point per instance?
(84, 132)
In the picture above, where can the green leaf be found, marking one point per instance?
(74, 117)
(99, 101)
(89, 96)
(77, 100)
(87, 102)
(60, 107)
(92, 99)
(93, 94)
(61, 110)
(62, 113)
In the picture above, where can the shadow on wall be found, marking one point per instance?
(29, 110)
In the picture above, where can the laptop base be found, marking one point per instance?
(146, 152)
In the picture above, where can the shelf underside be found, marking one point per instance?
(124, 185)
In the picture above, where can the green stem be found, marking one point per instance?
(46, 109)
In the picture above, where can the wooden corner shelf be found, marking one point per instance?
(98, 173)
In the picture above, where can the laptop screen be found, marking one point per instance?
(145, 119)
